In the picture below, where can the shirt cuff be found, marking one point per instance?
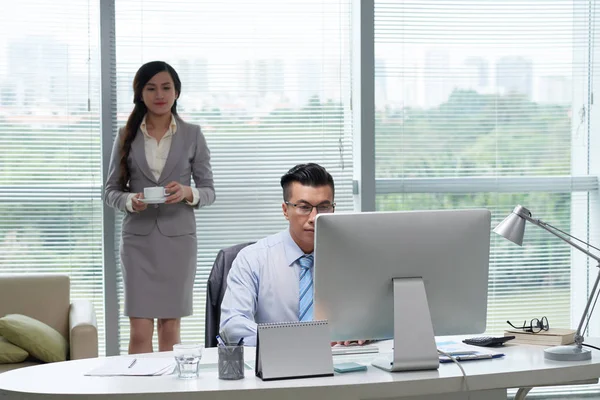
(195, 197)
(129, 204)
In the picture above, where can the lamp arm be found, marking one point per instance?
(545, 226)
(578, 336)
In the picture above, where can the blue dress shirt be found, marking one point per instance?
(262, 287)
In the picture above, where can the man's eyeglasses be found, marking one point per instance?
(306, 209)
(535, 325)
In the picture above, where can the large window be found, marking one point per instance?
(482, 104)
(477, 104)
(50, 163)
(269, 83)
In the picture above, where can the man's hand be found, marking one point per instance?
(351, 342)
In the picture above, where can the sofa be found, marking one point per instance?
(46, 298)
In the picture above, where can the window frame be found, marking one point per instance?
(366, 187)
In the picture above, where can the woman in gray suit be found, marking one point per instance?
(158, 243)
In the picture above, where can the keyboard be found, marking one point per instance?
(338, 350)
(488, 341)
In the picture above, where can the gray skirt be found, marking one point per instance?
(158, 274)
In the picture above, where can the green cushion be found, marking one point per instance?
(38, 339)
(9, 353)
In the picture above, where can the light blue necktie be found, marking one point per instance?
(305, 310)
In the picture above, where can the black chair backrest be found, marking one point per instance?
(215, 290)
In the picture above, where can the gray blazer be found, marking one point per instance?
(189, 156)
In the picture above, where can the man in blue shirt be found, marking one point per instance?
(271, 280)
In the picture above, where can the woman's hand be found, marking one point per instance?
(178, 193)
(137, 204)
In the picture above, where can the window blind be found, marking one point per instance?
(50, 198)
(468, 92)
(269, 83)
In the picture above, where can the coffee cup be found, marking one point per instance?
(155, 192)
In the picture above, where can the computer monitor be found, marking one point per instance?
(404, 276)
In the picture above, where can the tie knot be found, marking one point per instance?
(306, 261)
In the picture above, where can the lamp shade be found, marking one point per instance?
(513, 226)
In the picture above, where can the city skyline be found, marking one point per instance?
(264, 56)
(263, 85)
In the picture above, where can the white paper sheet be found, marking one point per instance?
(132, 366)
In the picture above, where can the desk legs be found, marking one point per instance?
(497, 394)
(521, 393)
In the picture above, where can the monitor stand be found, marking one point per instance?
(414, 341)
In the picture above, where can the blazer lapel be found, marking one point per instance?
(175, 153)
(139, 153)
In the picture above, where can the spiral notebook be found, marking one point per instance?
(293, 350)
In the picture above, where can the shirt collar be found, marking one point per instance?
(171, 131)
(292, 251)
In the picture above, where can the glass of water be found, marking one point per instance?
(188, 356)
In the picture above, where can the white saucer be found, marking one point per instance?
(153, 201)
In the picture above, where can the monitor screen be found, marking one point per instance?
(358, 254)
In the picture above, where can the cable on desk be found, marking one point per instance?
(589, 345)
(455, 361)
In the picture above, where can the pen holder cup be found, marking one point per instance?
(231, 362)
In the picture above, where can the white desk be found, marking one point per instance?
(523, 366)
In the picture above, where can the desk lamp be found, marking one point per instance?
(513, 229)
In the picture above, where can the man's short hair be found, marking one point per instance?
(310, 174)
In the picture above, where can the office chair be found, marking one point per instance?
(215, 290)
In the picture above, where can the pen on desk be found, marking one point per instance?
(473, 357)
(132, 363)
